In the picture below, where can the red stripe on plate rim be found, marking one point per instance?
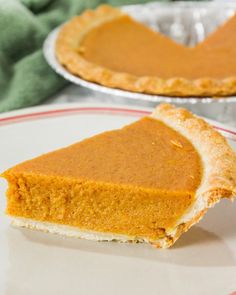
(71, 111)
(58, 112)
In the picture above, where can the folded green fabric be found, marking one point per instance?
(25, 77)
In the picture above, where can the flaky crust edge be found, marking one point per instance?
(218, 161)
(67, 53)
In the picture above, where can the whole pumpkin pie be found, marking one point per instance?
(110, 48)
(149, 181)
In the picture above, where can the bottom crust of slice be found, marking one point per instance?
(75, 232)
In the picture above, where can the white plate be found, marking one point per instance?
(203, 261)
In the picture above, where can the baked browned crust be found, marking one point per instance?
(219, 165)
(67, 54)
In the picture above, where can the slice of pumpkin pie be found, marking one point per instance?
(149, 181)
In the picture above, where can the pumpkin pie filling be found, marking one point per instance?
(124, 45)
(138, 181)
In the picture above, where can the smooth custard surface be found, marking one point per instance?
(124, 45)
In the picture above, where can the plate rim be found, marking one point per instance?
(65, 109)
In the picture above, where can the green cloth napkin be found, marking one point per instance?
(25, 77)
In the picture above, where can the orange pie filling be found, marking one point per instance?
(126, 46)
(137, 181)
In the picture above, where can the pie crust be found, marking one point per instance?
(218, 180)
(71, 35)
(219, 162)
